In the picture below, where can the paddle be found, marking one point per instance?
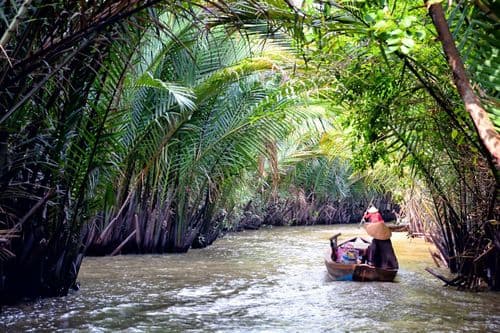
(362, 218)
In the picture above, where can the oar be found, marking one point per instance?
(362, 219)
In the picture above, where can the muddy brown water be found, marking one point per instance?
(270, 280)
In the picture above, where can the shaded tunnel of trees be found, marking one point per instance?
(154, 126)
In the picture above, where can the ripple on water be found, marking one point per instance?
(272, 280)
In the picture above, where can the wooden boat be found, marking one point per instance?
(341, 271)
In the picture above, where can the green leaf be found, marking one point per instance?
(397, 33)
(381, 26)
(393, 48)
(183, 96)
(408, 42)
(407, 21)
(405, 49)
(420, 34)
(394, 41)
(370, 17)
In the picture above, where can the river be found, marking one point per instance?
(270, 280)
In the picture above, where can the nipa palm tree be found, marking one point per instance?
(197, 113)
(63, 70)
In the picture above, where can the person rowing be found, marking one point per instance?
(380, 253)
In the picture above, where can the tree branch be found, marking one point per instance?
(484, 127)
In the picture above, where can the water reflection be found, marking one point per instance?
(268, 280)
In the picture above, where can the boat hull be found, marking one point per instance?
(357, 272)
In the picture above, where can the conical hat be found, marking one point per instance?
(372, 209)
(378, 230)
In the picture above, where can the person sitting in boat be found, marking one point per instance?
(380, 253)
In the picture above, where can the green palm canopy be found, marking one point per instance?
(149, 126)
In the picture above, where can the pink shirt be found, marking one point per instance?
(373, 217)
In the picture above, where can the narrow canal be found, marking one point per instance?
(270, 280)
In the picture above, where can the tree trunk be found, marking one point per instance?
(482, 122)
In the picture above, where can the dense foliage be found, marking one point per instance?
(137, 126)
(405, 111)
